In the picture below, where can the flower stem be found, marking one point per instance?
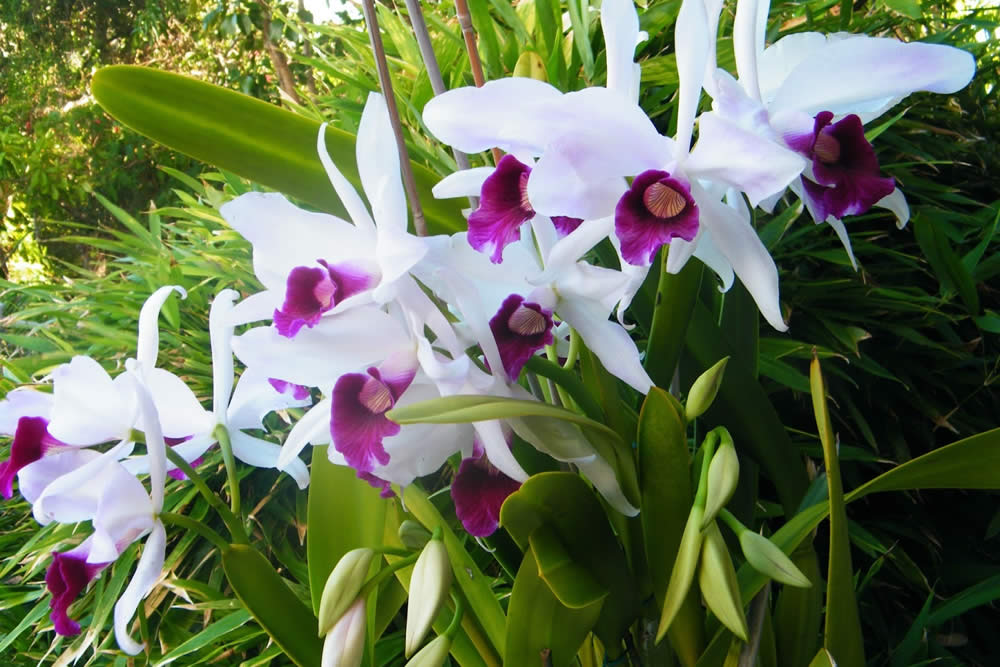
(568, 381)
(221, 433)
(386, 572)
(456, 620)
(236, 529)
(196, 527)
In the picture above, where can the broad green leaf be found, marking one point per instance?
(473, 583)
(569, 581)
(344, 513)
(823, 659)
(289, 622)
(842, 632)
(744, 408)
(269, 145)
(539, 625)
(798, 613)
(565, 503)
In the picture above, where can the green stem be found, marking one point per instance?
(675, 299)
(236, 529)
(456, 620)
(386, 572)
(553, 355)
(568, 381)
(574, 349)
(222, 435)
(730, 520)
(708, 449)
(196, 527)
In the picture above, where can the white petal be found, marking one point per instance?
(711, 257)
(263, 454)
(739, 243)
(178, 410)
(748, 42)
(573, 246)
(602, 476)
(23, 403)
(691, 40)
(89, 408)
(465, 183)
(397, 253)
(156, 448)
(895, 202)
(607, 340)
(731, 155)
(866, 75)
(841, 230)
(620, 25)
(317, 356)
(257, 307)
(33, 478)
(502, 113)
(313, 428)
(255, 397)
(681, 251)
(147, 572)
(777, 61)
(148, 344)
(221, 340)
(498, 451)
(712, 10)
(75, 483)
(124, 514)
(345, 191)
(378, 165)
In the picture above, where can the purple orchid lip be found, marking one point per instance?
(656, 209)
(565, 225)
(478, 491)
(358, 423)
(31, 440)
(503, 208)
(299, 392)
(65, 579)
(846, 179)
(520, 329)
(311, 291)
(384, 485)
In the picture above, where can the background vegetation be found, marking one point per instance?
(97, 217)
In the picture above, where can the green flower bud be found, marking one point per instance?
(765, 557)
(345, 643)
(704, 389)
(429, 585)
(413, 535)
(717, 580)
(432, 655)
(683, 571)
(723, 475)
(342, 586)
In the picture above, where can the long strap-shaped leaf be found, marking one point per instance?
(269, 145)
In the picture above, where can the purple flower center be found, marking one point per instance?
(357, 421)
(478, 492)
(311, 291)
(503, 208)
(656, 209)
(31, 440)
(520, 329)
(66, 578)
(846, 179)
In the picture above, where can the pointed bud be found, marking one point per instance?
(683, 572)
(704, 389)
(413, 535)
(723, 475)
(342, 587)
(345, 643)
(765, 557)
(429, 587)
(432, 655)
(719, 587)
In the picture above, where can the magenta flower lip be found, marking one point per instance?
(31, 440)
(520, 330)
(478, 491)
(846, 177)
(65, 579)
(656, 209)
(311, 291)
(503, 208)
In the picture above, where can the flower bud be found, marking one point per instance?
(345, 643)
(429, 586)
(717, 580)
(704, 389)
(432, 655)
(765, 557)
(342, 586)
(723, 475)
(413, 535)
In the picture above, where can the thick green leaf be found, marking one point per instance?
(565, 503)
(569, 581)
(798, 613)
(246, 136)
(290, 623)
(473, 583)
(842, 631)
(538, 624)
(333, 531)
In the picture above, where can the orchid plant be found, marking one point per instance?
(509, 353)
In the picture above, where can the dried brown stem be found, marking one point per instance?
(385, 81)
(469, 34)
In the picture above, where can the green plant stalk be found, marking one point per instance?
(196, 527)
(236, 530)
(553, 356)
(387, 572)
(568, 381)
(456, 620)
(222, 435)
(574, 349)
(676, 295)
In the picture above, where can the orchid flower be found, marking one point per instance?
(812, 93)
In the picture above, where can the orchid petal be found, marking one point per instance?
(573, 246)
(23, 403)
(712, 10)
(841, 230)
(221, 340)
(748, 42)
(88, 406)
(867, 75)
(464, 183)
(178, 411)
(345, 191)
(263, 454)
(255, 397)
(708, 252)
(35, 477)
(378, 166)
(498, 450)
(147, 572)
(895, 202)
(256, 307)
(312, 428)
(620, 24)
(602, 476)
(502, 113)
(76, 483)
(691, 41)
(148, 343)
(156, 448)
